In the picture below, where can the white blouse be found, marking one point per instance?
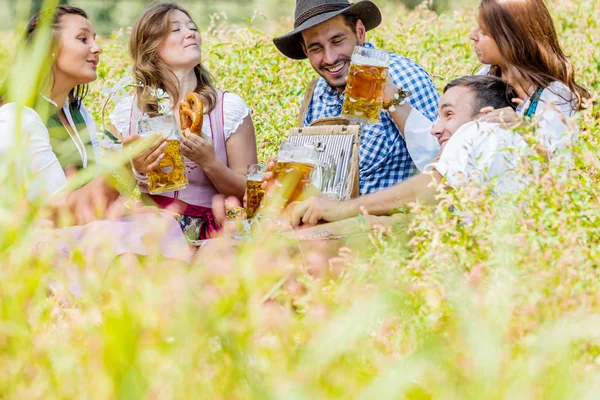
(556, 103)
(234, 112)
(481, 151)
(48, 177)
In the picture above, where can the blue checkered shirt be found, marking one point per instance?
(384, 158)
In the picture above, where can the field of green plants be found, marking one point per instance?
(491, 298)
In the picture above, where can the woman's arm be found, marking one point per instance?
(241, 151)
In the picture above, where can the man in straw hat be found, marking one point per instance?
(326, 32)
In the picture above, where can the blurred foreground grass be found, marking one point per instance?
(504, 307)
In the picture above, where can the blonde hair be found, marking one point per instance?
(148, 69)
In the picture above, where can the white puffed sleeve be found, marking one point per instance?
(235, 110)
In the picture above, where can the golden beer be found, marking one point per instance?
(170, 174)
(364, 89)
(255, 194)
(254, 191)
(293, 177)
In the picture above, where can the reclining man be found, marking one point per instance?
(326, 32)
(471, 150)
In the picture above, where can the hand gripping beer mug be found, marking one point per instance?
(254, 190)
(293, 170)
(170, 174)
(366, 81)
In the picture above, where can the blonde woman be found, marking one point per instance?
(165, 46)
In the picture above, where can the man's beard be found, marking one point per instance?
(342, 85)
(324, 74)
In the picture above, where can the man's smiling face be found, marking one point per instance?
(329, 48)
(456, 108)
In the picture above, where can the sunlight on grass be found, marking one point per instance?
(506, 306)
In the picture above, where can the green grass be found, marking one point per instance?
(504, 307)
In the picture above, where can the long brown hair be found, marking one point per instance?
(527, 40)
(148, 69)
(78, 92)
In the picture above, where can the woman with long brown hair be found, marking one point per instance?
(517, 41)
(165, 46)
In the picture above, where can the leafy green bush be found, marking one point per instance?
(492, 298)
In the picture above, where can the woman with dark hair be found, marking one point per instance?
(165, 47)
(61, 138)
(61, 133)
(517, 41)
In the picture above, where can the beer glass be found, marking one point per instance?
(364, 89)
(170, 174)
(292, 172)
(254, 190)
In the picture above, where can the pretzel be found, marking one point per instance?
(191, 113)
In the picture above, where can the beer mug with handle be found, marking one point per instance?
(292, 172)
(170, 174)
(254, 190)
(364, 89)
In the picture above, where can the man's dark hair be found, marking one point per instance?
(490, 91)
(350, 21)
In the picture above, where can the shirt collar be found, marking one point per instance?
(49, 100)
(328, 94)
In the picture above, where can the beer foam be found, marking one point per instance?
(360, 59)
(255, 178)
(300, 160)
